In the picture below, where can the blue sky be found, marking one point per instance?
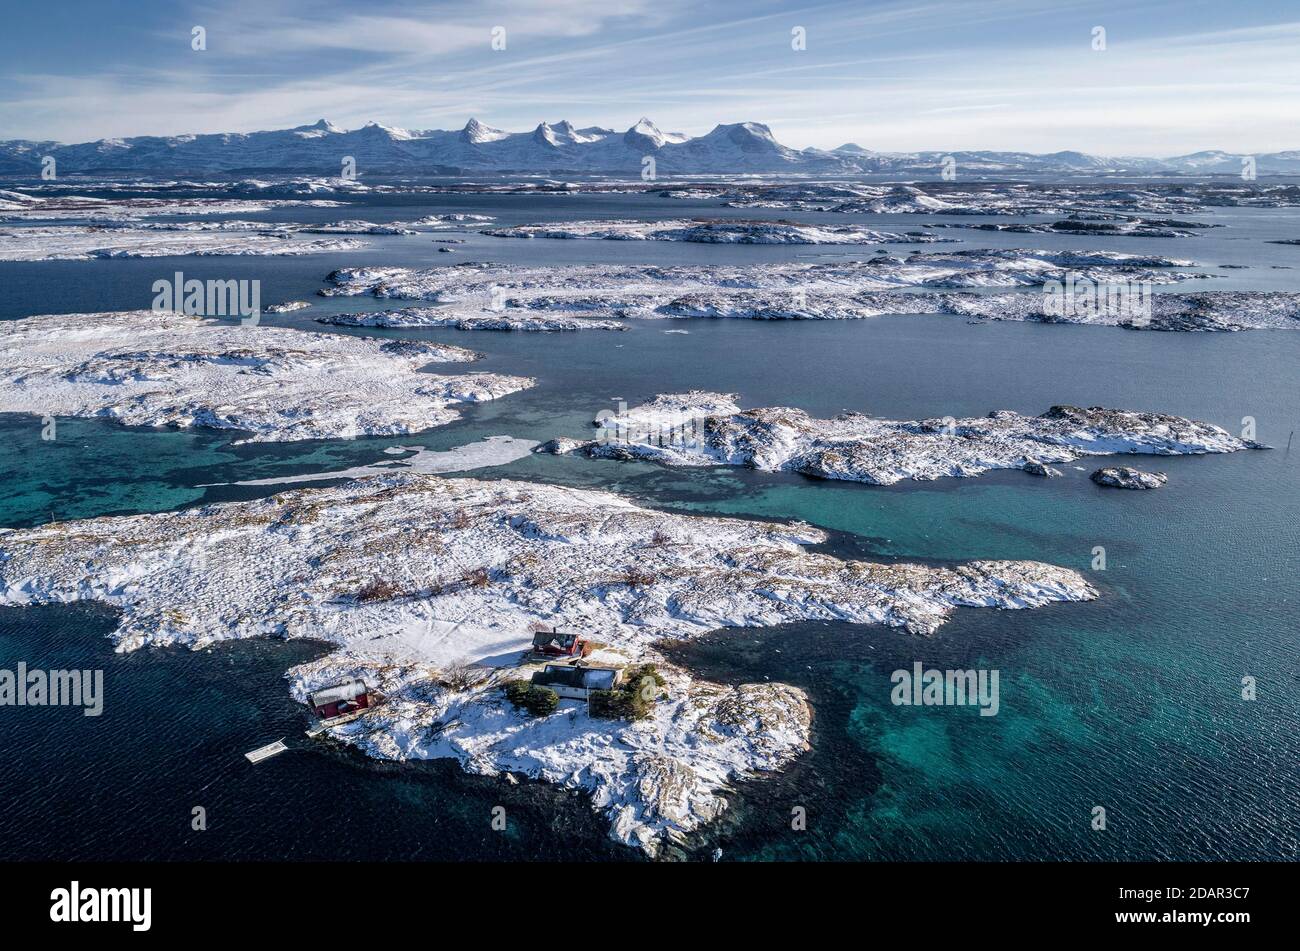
(949, 74)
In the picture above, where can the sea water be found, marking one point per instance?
(1132, 703)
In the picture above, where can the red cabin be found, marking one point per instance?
(341, 699)
(554, 643)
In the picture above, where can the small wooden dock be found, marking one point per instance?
(266, 752)
(324, 726)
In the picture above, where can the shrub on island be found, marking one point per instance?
(539, 701)
(634, 699)
(378, 589)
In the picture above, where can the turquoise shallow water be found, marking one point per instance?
(1130, 702)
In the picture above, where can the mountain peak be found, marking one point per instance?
(477, 132)
(751, 139)
(392, 132)
(320, 125)
(743, 130)
(644, 135)
(563, 133)
(545, 134)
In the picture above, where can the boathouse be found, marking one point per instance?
(341, 699)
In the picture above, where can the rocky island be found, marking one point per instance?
(430, 588)
(1126, 477)
(157, 368)
(100, 228)
(460, 318)
(717, 231)
(91, 242)
(988, 284)
(997, 198)
(701, 428)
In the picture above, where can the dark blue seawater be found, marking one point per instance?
(125, 784)
(1131, 702)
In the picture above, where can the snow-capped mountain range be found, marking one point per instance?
(738, 148)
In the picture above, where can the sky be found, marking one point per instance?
(1160, 79)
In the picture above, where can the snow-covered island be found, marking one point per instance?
(154, 368)
(997, 198)
(460, 318)
(431, 587)
(79, 228)
(1200, 311)
(643, 288)
(95, 242)
(353, 226)
(21, 206)
(288, 307)
(1194, 312)
(708, 429)
(1097, 225)
(716, 231)
(1100, 288)
(1126, 477)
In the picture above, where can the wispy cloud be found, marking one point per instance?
(891, 75)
